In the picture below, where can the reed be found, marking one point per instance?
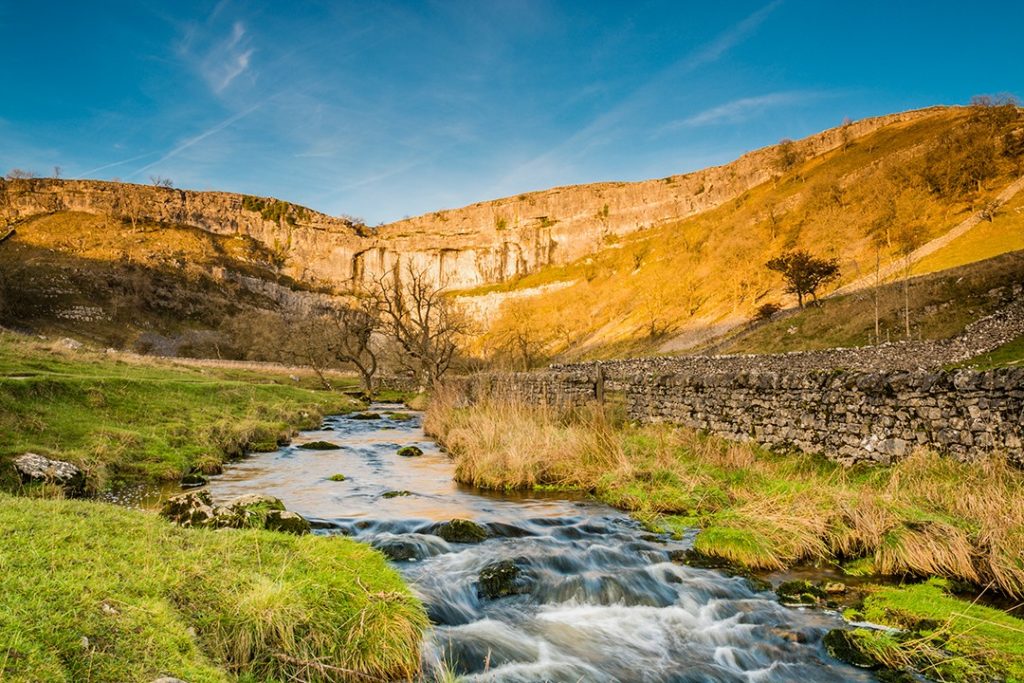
(925, 516)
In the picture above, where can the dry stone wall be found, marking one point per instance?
(850, 416)
(854, 405)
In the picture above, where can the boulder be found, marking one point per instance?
(396, 494)
(501, 579)
(461, 531)
(287, 522)
(320, 446)
(249, 511)
(397, 550)
(34, 468)
(410, 451)
(194, 508)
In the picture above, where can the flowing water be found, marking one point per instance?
(596, 598)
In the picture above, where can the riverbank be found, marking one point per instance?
(122, 421)
(94, 592)
(927, 516)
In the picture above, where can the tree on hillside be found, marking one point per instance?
(804, 273)
(786, 155)
(418, 316)
(160, 181)
(907, 238)
(21, 174)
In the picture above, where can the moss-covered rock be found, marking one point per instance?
(410, 451)
(193, 480)
(192, 509)
(336, 477)
(320, 446)
(461, 531)
(287, 522)
(400, 417)
(396, 494)
(365, 415)
(845, 646)
(501, 579)
(800, 592)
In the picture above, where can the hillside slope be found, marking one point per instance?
(865, 203)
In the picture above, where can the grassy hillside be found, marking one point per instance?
(93, 593)
(130, 286)
(941, 305)
(675, 285)
(150, 421)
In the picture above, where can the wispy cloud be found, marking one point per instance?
(229, 60)
(599, 128)
(741, 109)
(112, 164)
(181, 147)
(218, 53)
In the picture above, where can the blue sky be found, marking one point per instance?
(382, 110)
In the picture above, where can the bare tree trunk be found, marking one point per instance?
(878, 284)
(906, 294)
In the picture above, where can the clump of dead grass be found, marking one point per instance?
(927, 515)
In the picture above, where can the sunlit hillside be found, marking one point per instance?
(866, 204)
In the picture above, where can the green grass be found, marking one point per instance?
(948, 639)
(1010, 354)
(94, 593)
(143, 421)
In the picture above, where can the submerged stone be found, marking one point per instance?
(398, 550)
(410, 451)
(461, 531)
(800, 592)
(395, 494)
(400, 417)
(365, 415)
(193, 480)
(501, 579)
(320, 446)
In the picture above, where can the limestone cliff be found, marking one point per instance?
(479, 244)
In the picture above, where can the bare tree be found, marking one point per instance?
(21, 174)
(417, 315)
(58, 172)
(353, 340)
(160, 181)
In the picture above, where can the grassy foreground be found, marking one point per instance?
(924, 517)
(93, 592)
(138, 420)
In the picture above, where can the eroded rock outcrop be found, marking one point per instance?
(479, 244)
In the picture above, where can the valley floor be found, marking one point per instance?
(94, 592)
(758, 511)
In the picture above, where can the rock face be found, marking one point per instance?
(250, 511)
(479, 244)
(34, 468)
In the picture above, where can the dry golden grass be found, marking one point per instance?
(927, 515)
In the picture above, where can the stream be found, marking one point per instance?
(596, 598)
